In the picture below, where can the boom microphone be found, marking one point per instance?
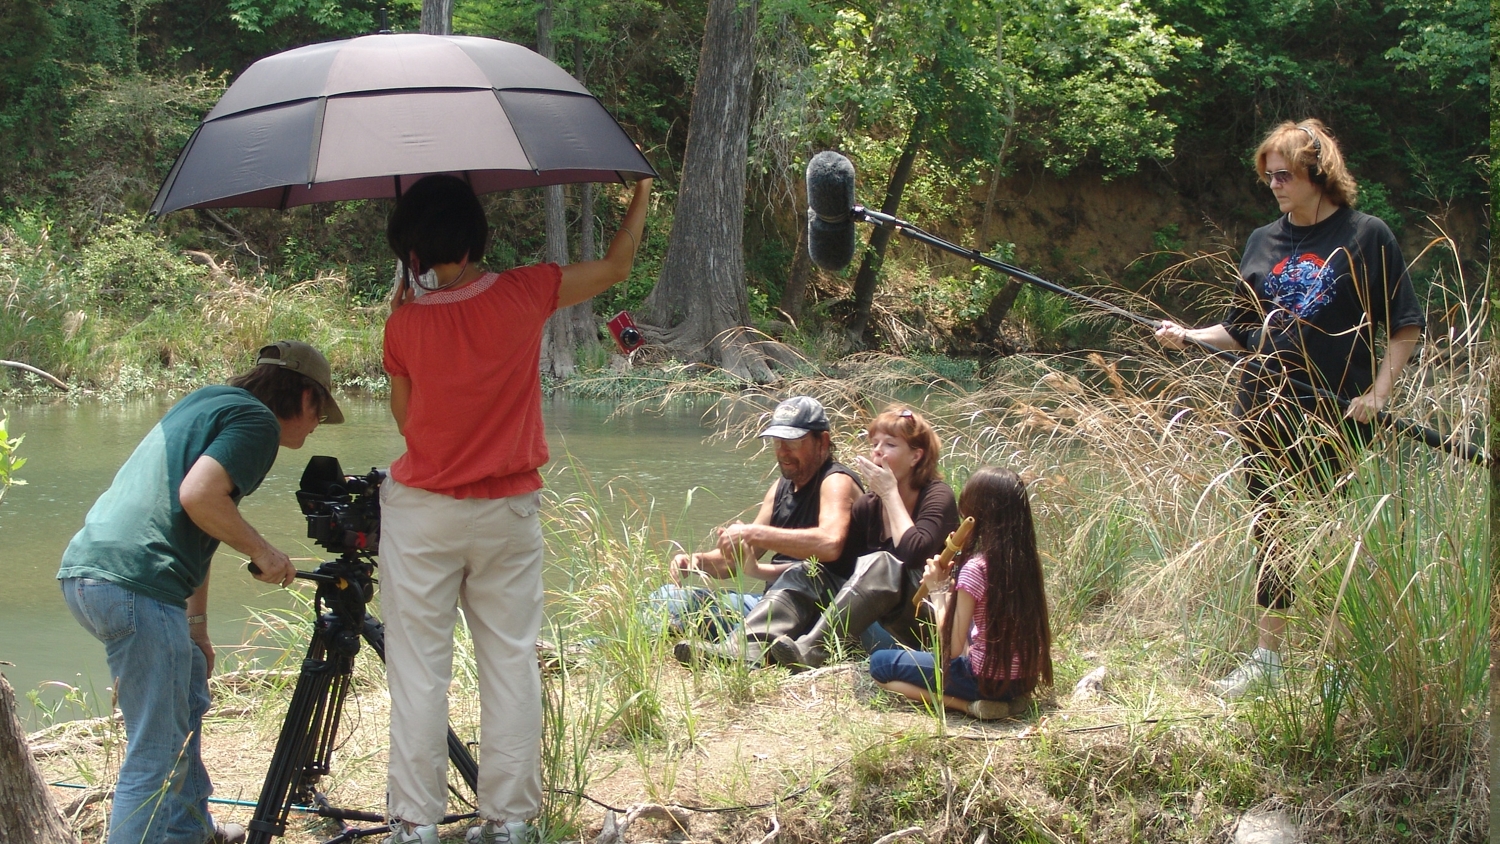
(830, 198)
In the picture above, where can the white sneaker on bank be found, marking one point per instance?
(1263, 667)
(405, 833)
(512, 832)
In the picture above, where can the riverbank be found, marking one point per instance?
(1379, 732)
(826, 756)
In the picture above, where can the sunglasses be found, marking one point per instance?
(1278, 177)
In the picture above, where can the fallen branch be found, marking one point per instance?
(775, 830)
(899, 834)
(614, 832)
(56, 382)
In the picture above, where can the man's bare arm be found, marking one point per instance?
(824, 541)
(714, 562)
(205, 495)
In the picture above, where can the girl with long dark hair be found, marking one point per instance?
(995, 642)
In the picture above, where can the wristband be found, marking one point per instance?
(198, 619)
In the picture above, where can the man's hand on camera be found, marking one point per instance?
(271, 566)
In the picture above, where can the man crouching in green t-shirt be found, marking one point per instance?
(136, 575)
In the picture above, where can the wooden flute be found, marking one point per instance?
(951, 546)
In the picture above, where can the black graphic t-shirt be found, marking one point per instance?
(1311, 298)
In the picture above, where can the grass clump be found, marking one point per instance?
(125, 312)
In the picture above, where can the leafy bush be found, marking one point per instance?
(135, 270)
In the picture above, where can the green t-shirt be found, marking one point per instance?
(137, 534)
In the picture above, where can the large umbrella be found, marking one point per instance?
(366, 117)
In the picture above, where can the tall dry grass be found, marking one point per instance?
(1146, 528)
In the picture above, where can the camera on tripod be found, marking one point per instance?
(343, 511)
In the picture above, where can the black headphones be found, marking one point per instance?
(1315, 173)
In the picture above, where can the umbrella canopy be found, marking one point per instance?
(366, 117)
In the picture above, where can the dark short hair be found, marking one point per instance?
(280, 389)
(440, 219)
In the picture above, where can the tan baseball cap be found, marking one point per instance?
(300, 357)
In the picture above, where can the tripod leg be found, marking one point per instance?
(458, 752)
(305, 721)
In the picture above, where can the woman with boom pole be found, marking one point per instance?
(1314, 284)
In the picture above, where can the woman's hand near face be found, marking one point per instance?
(402, 293)
(879, 478)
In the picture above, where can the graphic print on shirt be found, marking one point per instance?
(1301, 286)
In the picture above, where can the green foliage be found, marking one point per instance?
(959, 299)
(124, 131)
(9, 462)
(1400, 82)
(345, 19)
(1098, 77)
(1446, 43)
(135, 271)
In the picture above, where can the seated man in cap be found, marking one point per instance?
(804, 515)
(136, 575)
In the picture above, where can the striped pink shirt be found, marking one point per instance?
(974, 579)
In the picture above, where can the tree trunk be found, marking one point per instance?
(562, 335)
(699, 306)
(588, 249)
(27, 814)
(585, 324)
(988, 324)
(794, 295)
(869, 266)
(437, 17)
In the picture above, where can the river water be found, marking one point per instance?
(73, 450)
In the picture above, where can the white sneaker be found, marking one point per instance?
(511, 832)
(404, 833)
(1263, 667)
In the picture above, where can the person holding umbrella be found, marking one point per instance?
(1315, 283)
(460, 520)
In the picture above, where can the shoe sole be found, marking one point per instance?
(784, 652)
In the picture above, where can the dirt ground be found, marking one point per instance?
(799, 730)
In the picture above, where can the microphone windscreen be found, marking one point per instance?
(830, 245)
(830, 186)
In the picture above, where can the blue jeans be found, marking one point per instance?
(919, 669)
(161, 681)
(713, 614)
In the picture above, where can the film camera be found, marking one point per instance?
(343, 511)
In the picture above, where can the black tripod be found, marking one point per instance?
(305, 747)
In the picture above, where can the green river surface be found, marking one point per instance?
(73, 449)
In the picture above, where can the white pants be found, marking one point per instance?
(436, 551)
